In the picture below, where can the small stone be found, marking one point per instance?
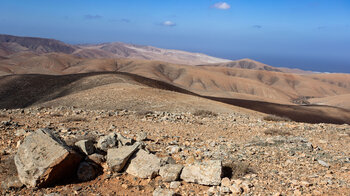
(163, 192)
(324, 164)
(52, 194)
(11, 182)
(297, 193)
(226, 182)
(108, 141)
(235, 189)
(141, 136)
(20, 132)
(86, 146)
(97, 158)
(144, 165)
(123, 141)
(212, 191)
(175, 184)
(206, 173)
(86, 172)
(305, 183)
(118, 157)
(170, 172)
(125, 186)
(173, 149)
(225, 190)
(167, 160)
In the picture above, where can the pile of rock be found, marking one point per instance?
(44, 159)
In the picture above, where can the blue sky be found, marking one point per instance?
(307, 34)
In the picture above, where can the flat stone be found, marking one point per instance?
(86, 146)
(175, 184)
(144, 165)
(43, 159)
(205, 173)
(141, 136)
(118, 157)
(170, 172)
(123, 141)
(324, 164)
(97, 158)
(163, 192)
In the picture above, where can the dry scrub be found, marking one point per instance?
(276, 118)
(234, 170)
(275, 132)
(74, 119)
(205, 113)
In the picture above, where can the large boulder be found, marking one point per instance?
(43, 159)
(206, 173)
(118, 157)
(144, 165)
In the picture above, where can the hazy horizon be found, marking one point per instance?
(310, 35)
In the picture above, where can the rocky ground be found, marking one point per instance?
(255, 156)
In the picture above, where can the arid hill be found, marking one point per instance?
(217, 81)
(110, 90)
(342, 101)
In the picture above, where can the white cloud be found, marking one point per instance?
(221, 6)
(168, 23)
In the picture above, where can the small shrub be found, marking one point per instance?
(275, 132)
(205, 113)
(236, 170)
(74, 119)
(56, 115)
(276, 118)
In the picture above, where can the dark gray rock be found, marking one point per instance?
(86, 171)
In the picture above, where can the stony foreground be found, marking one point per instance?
(254, 156)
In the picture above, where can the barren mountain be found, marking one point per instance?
(37, 45)
(14, 44)
(122, 50)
